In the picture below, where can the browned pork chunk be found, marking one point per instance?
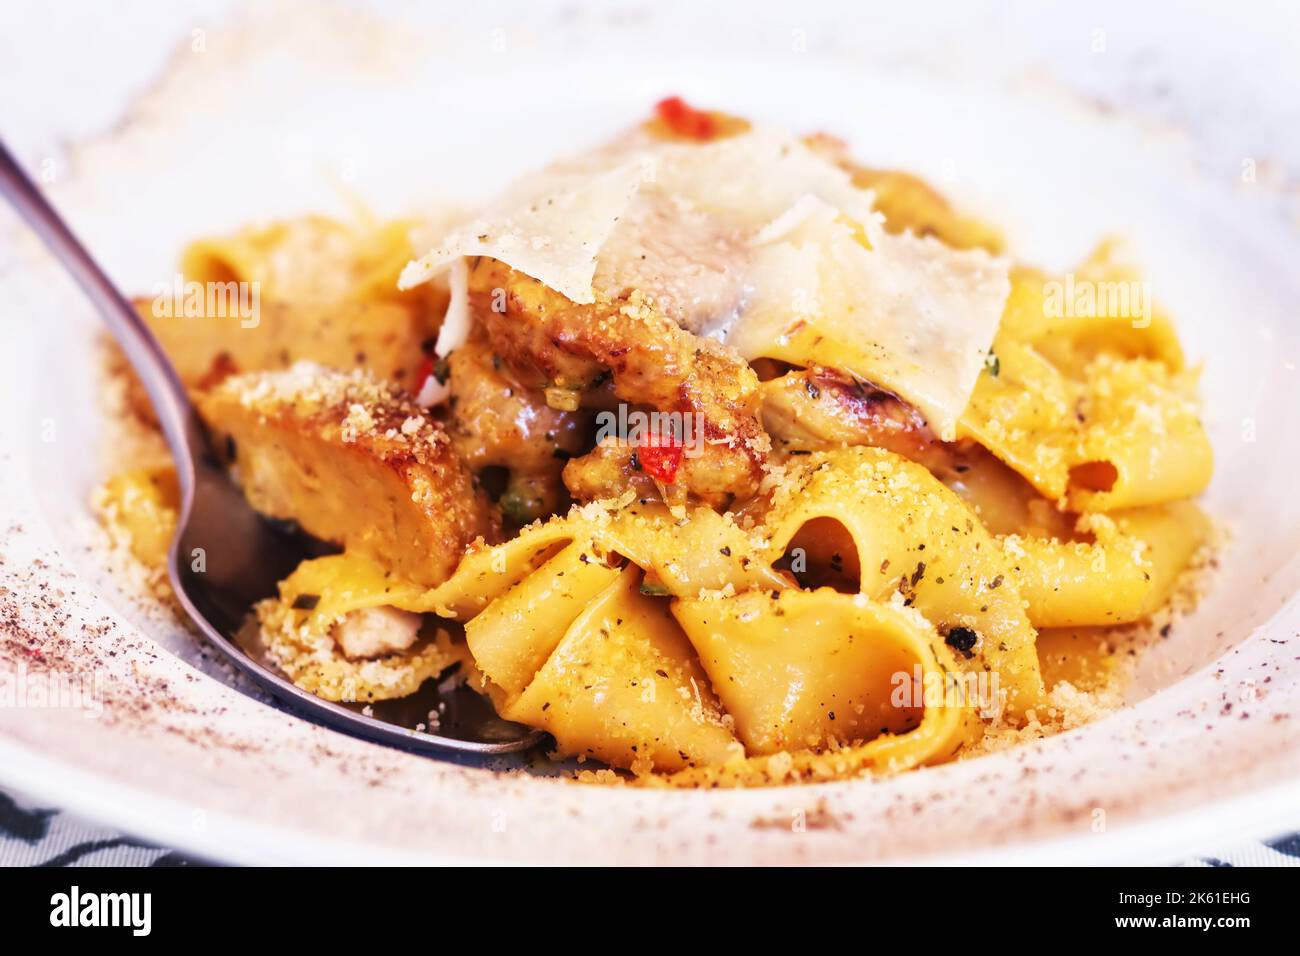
(816, 408)
(574, 351)
(496, 422)
(352, 461)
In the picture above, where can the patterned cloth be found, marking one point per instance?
(31, 835)
(1283, 851)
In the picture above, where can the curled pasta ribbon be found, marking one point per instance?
(801, 672)
(1097, 410)
(568, 642)
(913, 537)
(737, 677)
(1129, 569)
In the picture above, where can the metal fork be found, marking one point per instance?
(225, 556)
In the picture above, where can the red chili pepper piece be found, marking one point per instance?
(686, 120)
(660, 457)
(423, 372)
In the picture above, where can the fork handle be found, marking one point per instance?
(179, 424)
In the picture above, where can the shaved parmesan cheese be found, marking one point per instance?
(790, 220)
(455, 324)
(432, 392)
(906, 313)
(550, 227)
(640, 205)
(755, 240)
(685, 241)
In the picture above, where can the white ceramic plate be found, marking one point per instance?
(303, 110)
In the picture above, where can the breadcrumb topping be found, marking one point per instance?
(315, 661)
(365, 408)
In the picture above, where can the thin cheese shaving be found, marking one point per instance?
(455, 324)
(551, 227)
(907, 313)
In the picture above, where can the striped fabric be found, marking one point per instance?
(33, 835)
(1283, 851)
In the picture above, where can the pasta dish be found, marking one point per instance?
(717, 456)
